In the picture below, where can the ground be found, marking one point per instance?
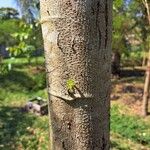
(27, 131)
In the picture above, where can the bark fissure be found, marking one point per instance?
(48, 12)
(59, 42)
(73, 44)
(63, 145)
(97, 23)
(106, 21)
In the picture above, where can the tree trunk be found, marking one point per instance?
(144, 60)
(115, 64)
(147, 79)
(146, 89)
(77, 41)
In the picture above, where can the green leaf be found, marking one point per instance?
(70, 84)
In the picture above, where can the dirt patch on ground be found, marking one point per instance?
(129, 94)
(36, 70)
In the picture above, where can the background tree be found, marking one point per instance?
(138, 13)
(146, 94)
(8, 25)
(7, 28)
(28, 40)
(121, 27)
(30, 16)
(8, 13)
(77, 39)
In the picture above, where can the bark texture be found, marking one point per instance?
(77, 40)
(146, 89)
(115, 64)
(144, 60)
(147, 78)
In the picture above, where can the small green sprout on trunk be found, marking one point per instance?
(71, 86)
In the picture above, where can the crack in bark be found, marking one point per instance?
(97, 23)
(93, 11)
(63, 145)
(58, 44)
(73, 97)
(104, 143)
(48, 12)
(72, 46)
(106, 22)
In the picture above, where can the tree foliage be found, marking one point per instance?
(8, 13)
(8, 27)
(26, 40)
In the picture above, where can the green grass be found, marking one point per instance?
(119, 142)
(23, 61)
(19, 130)
(25, 131)
(130, 127)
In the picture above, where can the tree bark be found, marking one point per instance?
(144, 60)
(115, 64)
(77, 41)
(147, 78)
(146, 89)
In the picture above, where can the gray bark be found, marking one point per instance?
(77, 41)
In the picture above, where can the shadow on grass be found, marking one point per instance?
(21, 62)
(26, 64)
(116, 146)
(132, 73)
(21, 81)
(13, 125)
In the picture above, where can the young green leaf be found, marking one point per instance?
(70, 84)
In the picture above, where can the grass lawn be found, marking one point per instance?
(26, 131)
(18, 130)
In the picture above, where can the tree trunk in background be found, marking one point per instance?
(146, 89)
(144, 62)
(147, 78)
(77, 40)
(115, 64)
